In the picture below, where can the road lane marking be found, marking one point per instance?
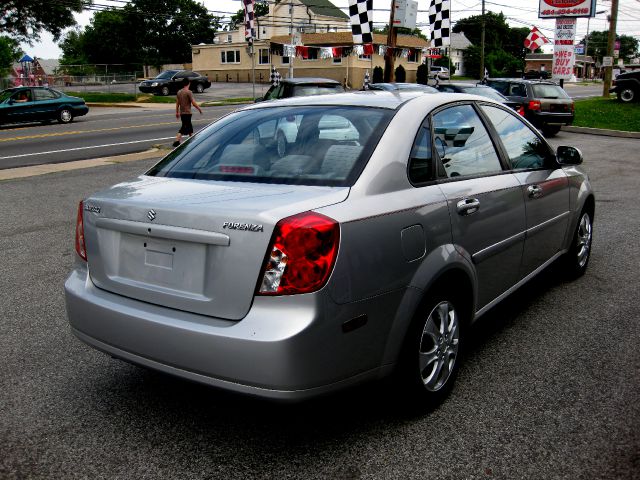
(86, 148)
(76, 132)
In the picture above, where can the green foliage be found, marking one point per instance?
(416, 32)
(236, 20)
(422, 74)
(25, 20)
(504, 46)
(401, 74)
(608, 114)
(10, 52)
(378, 75)
(132, 36)
(598, 45)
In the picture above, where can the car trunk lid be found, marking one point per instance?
(193, 245)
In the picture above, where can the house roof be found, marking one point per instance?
(346, 38)
(459, 41)
(325, 8)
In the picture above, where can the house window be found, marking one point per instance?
(313, 54)
(229, 38)
(230, 56)
(285, 60)
(263, 56)
(364, 57)
(337, 60)
(413, 56)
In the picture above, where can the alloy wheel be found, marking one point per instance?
(583, 238)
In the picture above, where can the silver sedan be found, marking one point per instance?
(365, 248)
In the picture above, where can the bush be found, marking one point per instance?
(378, 75)
(422, 74)
(401, 74)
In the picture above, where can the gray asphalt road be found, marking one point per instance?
(550, 388)
(103, 132)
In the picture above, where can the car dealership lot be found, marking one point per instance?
(550, 388)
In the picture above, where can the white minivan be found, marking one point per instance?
(441, 72)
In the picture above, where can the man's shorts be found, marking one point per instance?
(186, 128)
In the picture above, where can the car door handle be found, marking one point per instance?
(534, 191)
(468, 206)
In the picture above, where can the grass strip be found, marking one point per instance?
(607, 113)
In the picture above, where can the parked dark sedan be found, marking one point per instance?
(39, 104)
(546, 104)
(483, 91)
(627, 87)
(170, 81)
(302, 87)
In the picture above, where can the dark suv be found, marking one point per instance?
(170, 81)
(302, 87)
(546, 104)
(627, 87)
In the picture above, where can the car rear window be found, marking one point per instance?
(306, 90)
(485, 92)
(548, 91)
(309, 145)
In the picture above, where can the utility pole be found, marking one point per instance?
(613, 19)
(392, 37)
(482, 44)
(291, 27)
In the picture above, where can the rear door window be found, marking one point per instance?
(463, 143)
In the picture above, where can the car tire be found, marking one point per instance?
(576, 259)
(199, 88)
(65, 115)
(281, 144)
(164, 91)
(432, 350)
(627, 95)
(550, 130)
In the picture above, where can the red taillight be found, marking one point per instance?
(302, 253)
(573, 107)
(80, 246)
(534, 105)
(521, 110)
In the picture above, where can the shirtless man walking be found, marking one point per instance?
(184, 100)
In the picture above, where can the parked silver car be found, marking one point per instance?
(342, 261)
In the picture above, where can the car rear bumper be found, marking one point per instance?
(283, 349)
(547, 118)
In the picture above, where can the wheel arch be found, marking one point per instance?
(443, 269)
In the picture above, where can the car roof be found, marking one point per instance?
(524, 80)
(368, 98)
(305, 80)
(463, 85)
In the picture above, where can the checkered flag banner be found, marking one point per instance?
(249, 20)
(535, 39)
(440, 22)
(367, 80)
(275, 77)
(361, 13)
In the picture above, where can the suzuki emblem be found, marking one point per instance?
(151, 215)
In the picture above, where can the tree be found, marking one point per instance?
(504, 46)
(150, 32)
(598, 45)
(401, 74)
(25, 20)
(416, 32)
(422, 74)
(378, 75)
(10, 52)
(261, 9)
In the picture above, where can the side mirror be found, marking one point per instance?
(569, 156)
(259, 99)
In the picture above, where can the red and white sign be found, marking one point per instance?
(566, 8)
(564, 56)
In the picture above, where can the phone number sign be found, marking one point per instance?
(566, 8)
(564, 57)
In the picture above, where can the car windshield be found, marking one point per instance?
(166, 75)
(5, 94)
(485, 92)
(548, 91)
(308, 145)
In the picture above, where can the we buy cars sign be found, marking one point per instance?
(566, 8)
(564, 56)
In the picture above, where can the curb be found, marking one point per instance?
(36, 170)
(121, 105)
(601, 131)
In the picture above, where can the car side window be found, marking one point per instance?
(22, 96)
(502, 87)
(517, 90)
(421, 158)
(524, 148)
(463, 144)
(42, 94)
(274, 92)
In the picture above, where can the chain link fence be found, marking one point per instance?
(108, 83)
